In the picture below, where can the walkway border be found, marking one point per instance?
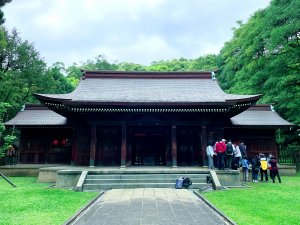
(82, 210)
(212, 207)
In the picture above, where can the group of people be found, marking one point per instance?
(227, 155)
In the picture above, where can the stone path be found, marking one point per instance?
(147, 206)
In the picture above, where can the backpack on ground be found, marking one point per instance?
(179, 183)
(264, 164)
(229, 149)
(186, 182)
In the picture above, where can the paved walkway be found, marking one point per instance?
(147, 206)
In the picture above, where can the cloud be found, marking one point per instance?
(139, 31)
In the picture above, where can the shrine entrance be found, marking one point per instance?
(148, 148)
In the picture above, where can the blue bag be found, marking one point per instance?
(179, 183)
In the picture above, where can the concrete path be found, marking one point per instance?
(147, 206)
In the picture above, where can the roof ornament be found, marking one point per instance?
(23, 108)
(213, 76)
(272, 108)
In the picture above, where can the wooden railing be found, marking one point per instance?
(289, 155)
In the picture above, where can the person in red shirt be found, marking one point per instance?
(220, 150)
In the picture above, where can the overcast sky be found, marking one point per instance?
(138, 31)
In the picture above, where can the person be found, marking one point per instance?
(210, 154)
(229, 154)
(255, 168)
(220, 150)
(243, 149)
(263, 167)
(246, 167)
(237, 156)
(274, 171)
(11, 154)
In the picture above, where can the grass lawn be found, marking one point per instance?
(263, 203)
(35, 203)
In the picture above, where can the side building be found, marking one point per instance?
(125, 119)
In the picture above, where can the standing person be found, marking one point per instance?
(220, 150)
(255, 168)
(210, 154)
(237, 156)
(243, 149)
(229, 154)
(263, 167)
(274, 171)
(11, 154)
(246, 166)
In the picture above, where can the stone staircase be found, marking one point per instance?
(97, 180)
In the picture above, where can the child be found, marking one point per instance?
(246, 166)
(255, 168)
(263, 167)
(274, 169)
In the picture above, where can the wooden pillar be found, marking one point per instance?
(93, 145)
(123, 145)
(203, 143)
(174, 146)
(74, 148)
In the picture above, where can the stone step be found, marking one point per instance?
(145, 180)
(143, 176)
(95, 181)
(93, 187)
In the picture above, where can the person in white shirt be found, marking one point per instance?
(210, 154)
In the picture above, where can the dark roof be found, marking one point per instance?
(115, 87)
(260, 115)
(37, 115)
(256, 116)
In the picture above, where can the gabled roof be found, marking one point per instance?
(100, 87)
(37, 115)
(147, 87)
(124, 90)
(260, 115)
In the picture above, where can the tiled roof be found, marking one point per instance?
(259, 115)
(37, 116)
(120, 87)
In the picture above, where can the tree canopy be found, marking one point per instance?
(264, 57)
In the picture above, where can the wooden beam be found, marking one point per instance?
(123, 145)
(203, 143)
(174, 147)
(74, 148)
(93, 145)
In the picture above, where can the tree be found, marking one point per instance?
(2, 3)
(263, 57)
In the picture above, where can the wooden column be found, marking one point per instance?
(203, 143)
(74, 148)
(123, 145)
(93, 145)
(174, 146)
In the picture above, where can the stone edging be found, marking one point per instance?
(214, 209)
(82, 210)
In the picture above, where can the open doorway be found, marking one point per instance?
(148, 148)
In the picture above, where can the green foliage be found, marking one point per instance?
(23, 72)
(263, 203)
(5, 139)
(2, 3)
(263, 57)
(35, 203)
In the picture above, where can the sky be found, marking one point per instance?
(136, 31)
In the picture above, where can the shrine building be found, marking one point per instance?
(126, 119)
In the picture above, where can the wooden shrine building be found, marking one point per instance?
(125, 119)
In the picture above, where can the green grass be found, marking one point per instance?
(263, 203)
(35, 203)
